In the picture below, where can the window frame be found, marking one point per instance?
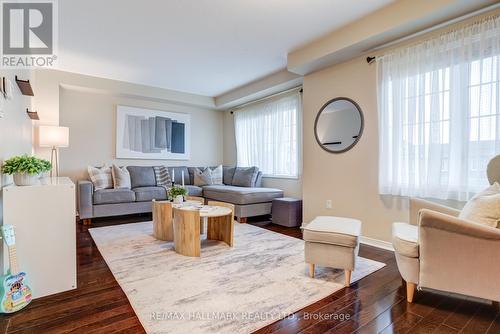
(298, 130)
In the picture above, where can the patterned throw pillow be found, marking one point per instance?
(217, 173)
(100, 177)
(121, 177)
(162, 176)
(202, 177)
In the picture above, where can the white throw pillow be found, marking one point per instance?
(202, 177)
(484, 208)
(217, 175)
(121, 177)
(100, 177)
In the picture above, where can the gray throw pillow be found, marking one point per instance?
(202, 177)
(245, 176)
(121, 177)
(142, 176)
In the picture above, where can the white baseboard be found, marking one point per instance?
(376, 243)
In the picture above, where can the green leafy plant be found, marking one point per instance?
(176, 191)
(25, 164)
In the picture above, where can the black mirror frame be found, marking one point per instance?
(360, 130)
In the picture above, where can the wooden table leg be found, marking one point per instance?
(222, 229)
(228, 230)
(187, 232)
(163, 228)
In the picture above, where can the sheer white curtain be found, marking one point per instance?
(439, 118)
(267, 135)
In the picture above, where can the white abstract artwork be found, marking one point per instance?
(152, 134)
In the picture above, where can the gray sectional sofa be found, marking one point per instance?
(249, 201)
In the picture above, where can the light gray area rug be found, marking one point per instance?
(227, 290)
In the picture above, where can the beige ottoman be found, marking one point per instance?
(332, 242)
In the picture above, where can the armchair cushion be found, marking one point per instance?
(405, 239)
(484, 208)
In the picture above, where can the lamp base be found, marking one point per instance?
(54, 161)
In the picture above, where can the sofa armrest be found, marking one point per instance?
(458, 256)
(417, 204)
(85, 193)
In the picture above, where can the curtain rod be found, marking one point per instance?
(369, 59)
(266, 98)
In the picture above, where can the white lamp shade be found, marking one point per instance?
(53, 136)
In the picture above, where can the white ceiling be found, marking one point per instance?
(205, 47)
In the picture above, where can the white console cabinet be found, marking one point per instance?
(43, 216)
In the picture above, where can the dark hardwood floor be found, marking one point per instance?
(375, 304)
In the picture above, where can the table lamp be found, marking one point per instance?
(54, 137)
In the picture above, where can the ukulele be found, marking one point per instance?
(14, 290)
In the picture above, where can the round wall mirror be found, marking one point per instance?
(339, 125)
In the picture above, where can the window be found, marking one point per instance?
(439, 113)
(267, 136)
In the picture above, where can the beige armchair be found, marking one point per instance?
(439, 251)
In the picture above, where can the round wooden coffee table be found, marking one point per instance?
(187, 239)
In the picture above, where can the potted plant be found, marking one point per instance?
(25, 169)
(177, 193)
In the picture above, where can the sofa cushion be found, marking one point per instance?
(141, 176)
(245, 176)
(111, 196)
(194, 190)
(405, 239)
(228, 174)
(333, 230)
(241, 195)
(143, 194)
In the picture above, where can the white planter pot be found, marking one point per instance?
(25, 179)
(178, 199)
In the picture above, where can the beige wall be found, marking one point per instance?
(87, 105)
(348, 179)
(291, 187)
